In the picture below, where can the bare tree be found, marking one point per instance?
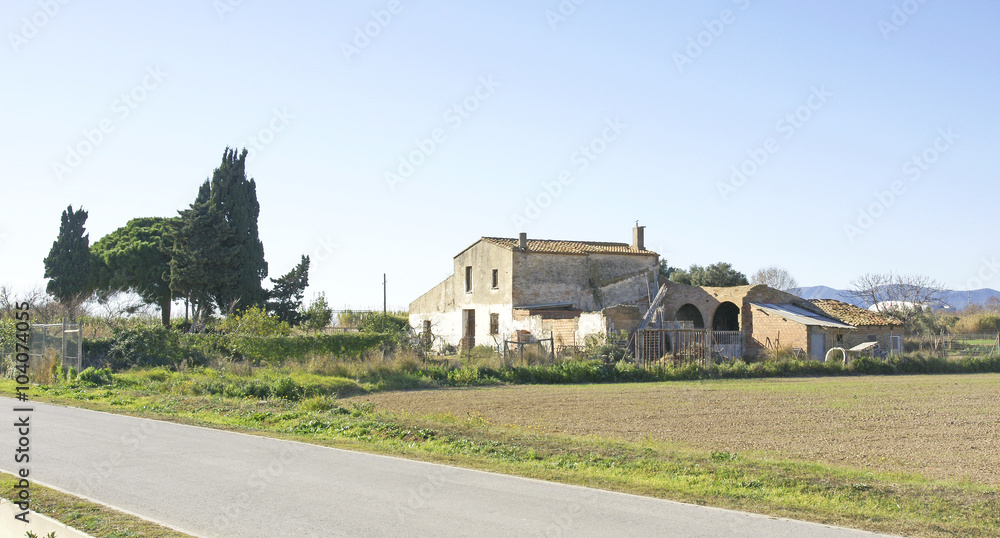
(775, 277)
(892, 292)
(43, 308)
(113, 307)
(992, 305)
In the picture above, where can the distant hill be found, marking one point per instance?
(956, 300)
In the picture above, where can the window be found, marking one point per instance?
(494, 323)
(872, 338)
(496, 279)
(468, 279)
(840, 339)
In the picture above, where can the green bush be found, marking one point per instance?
(276, 349)
(988, 323)
(90, 376)
(254, 322)
(149, 345)
(377, 322)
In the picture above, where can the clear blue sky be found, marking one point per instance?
(866, 89)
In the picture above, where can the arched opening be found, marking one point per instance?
(726, 318)
(690, 312)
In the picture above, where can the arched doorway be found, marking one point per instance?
(726, 318)
(690, 312)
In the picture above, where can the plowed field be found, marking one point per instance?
(945, 427)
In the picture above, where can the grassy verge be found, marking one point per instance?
(94, 519)
(762, 483)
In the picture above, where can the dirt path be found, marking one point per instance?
(940, 426)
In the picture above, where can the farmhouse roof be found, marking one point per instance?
(849, 313)
(553, 246)
(801, 315)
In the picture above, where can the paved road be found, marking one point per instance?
(214, 483)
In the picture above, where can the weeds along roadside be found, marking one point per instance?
(802, 490)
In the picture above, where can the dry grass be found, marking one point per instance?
(942, 427)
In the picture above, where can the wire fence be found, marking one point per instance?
(52, 344)
(954, 346)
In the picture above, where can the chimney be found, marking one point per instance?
(522, 241)
(637, 241)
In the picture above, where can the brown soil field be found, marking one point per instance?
(941, 427)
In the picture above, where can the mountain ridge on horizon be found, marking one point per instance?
(953, 299)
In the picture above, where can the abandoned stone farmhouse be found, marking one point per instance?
(512, 289)
(500, 286)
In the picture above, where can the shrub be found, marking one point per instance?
(254, 322)
(377, 322)
(870, 366)
(148, 345)
(987, 323)
(90, 376)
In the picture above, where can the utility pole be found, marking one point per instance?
(384, 282)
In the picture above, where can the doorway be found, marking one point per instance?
(468, 329)
(817, 347)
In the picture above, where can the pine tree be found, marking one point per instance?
(68, 264)
(135, 258)
(285, 299)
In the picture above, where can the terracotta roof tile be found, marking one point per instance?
(851, 314)
(552, 246)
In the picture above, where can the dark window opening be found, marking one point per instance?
(872, 338)
(726, 318)
(494, 323)
(690, 312)
(840, 339)
(496, 278)
(468, 279)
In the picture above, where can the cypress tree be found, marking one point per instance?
(203, 252)
(68, 264)
(235, 196)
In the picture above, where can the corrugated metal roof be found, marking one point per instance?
(554, 246)
(801, 315)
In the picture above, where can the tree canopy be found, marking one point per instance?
(203, 251)
(232, 194)
(68, 264)
(135, 258)
(716, 275)
(217, 258)
(285, 299)
(775, 277)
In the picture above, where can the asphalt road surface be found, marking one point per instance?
(214, 483)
